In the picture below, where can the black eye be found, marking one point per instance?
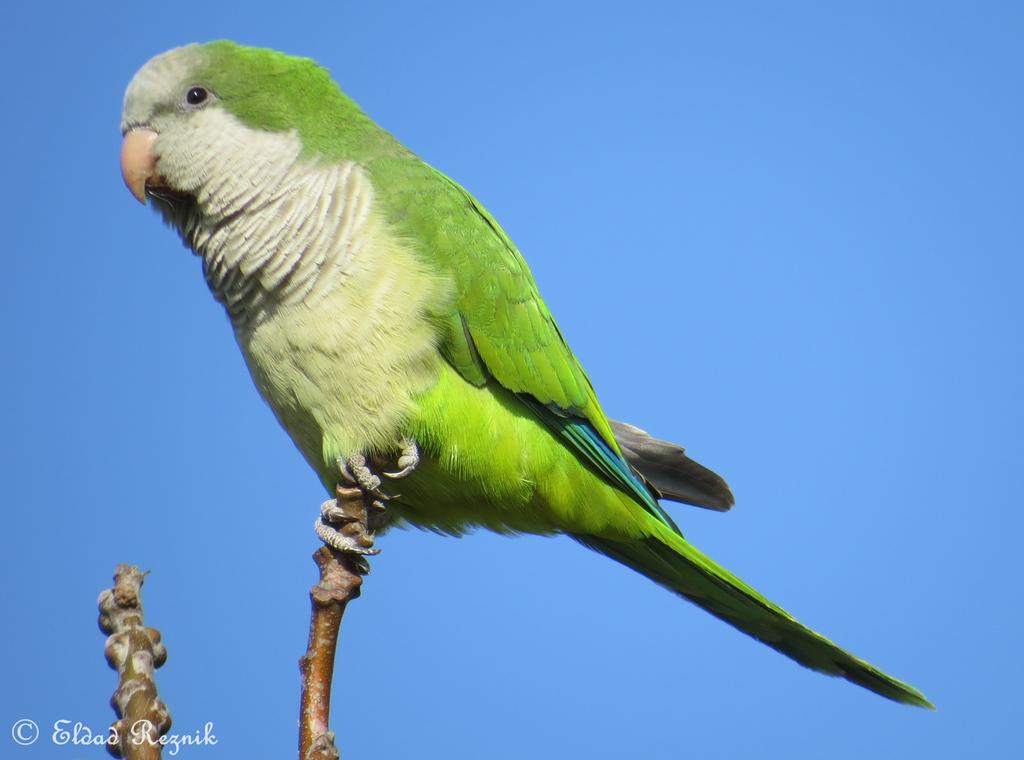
(196, 96)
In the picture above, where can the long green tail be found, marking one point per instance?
(670, 561)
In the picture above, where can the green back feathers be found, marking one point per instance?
(499, 327)
(269, 90)
(506, 330)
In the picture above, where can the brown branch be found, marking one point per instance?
(135, 652)
(341, 576)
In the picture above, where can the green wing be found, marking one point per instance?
(501, 327)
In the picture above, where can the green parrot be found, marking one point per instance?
(385, 316)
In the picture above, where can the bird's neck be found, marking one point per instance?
(274, 231)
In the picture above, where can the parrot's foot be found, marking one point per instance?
(344, 523)
(355, 471)
(347, 523)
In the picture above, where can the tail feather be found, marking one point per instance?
(666, 468)
(670, 561)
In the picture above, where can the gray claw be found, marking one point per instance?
(330, 512)
(379, 516)
(343, 471)
(407, 461)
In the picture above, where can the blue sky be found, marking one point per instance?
(785, 235)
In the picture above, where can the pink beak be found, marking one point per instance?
(138, 161)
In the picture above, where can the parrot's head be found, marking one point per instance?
(204, 117)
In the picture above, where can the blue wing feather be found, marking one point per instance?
(582, 437)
